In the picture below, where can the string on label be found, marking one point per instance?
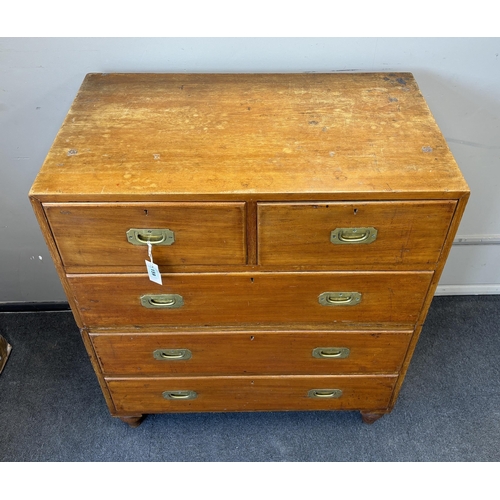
(152, 268)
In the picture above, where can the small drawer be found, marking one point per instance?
(114, 300)
(187, 394)
(105, 236)
(258, 352)
(358, 236)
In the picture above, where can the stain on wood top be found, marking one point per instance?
(248, 136)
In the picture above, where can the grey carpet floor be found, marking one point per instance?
(52, 410)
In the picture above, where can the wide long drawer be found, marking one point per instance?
(186, 394)
(110, 235)
(356, 236)
(239, 353)
(245, 299)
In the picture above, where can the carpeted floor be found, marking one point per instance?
(52, 410)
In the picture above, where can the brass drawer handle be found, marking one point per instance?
(331, 352)
(324, 393)
(153, 236)
(339, 298)
(164, 301)
(172, 354)
(180, 394)
(353, 235)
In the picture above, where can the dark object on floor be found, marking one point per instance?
(5, 349)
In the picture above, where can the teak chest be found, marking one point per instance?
(300, 223)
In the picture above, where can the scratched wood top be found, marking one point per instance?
(248, 136)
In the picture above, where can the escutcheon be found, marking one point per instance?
(180, 395)
(162, 301)
(324, 393)
(172, 354)
(153, 236)
(353, 235)
(331, 352)
(339, 298)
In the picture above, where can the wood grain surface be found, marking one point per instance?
(250, 298)
(257, 352)
(144, 395)
(201, 136)
(410, 234)
(94, 234)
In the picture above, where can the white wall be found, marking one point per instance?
(39, 77)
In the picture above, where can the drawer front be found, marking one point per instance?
(95, 234)
(245, 298)
(186, 394)
(357, 236)
(251, 352)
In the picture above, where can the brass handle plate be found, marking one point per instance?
(172, 354)
(339, 298)
(353, 235)
(163, 301)
(331, 352)
(153, 236)
(324, 393)
(180, 395)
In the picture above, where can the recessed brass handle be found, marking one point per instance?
(178, 395)
(153, 236)
(324, 393)
(339, 298)
(172, 354)
(331, 352)
(163, 301)
(353, 235)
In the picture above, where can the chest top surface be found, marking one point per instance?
(248, 136)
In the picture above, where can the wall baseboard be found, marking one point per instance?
(492, 289)
(33, 306)
(478, 239)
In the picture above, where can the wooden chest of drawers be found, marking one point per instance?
(300, 223)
